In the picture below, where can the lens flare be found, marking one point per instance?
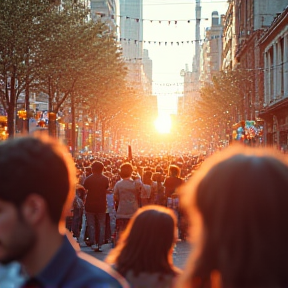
(163, 123)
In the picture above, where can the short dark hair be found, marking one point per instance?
(97, 167)
(241, 195)
(126, 170)
(174, 170)
(147, 177)
(39, 165)
(145, 244)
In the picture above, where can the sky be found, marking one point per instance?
(174, 56)
(168, 60)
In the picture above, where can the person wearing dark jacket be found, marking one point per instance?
(95, 206)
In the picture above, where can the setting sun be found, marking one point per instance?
(163, 123)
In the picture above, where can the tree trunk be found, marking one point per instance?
(11, 109)
(73, 126)
(27, 106)
(51, 114)
(52, 124)
(10, 121)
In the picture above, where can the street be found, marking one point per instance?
(180, 253)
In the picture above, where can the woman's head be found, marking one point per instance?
(241, 198)
(147, 242)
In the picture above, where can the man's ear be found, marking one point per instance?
(34, 208)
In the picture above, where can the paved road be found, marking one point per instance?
(180, 253)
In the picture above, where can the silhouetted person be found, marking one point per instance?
(95, 206)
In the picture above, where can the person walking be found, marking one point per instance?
(150, 189)
(127, 197)
(95, 206)
(37, 187)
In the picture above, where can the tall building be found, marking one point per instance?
(131, 28)
(211, 60)
(252, 19)
(131, 39)
(192, 78)
(106, 10)
(196, 59)
(274, 97)
(229, 39)
(148, 68)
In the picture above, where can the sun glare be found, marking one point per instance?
(163, 124)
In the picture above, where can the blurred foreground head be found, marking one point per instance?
(37, 166)
(238, 205)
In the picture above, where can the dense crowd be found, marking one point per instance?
(235, 203)
(157, 176)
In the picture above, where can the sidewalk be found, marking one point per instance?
(180, 253)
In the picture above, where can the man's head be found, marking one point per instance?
(126, 170)
(36, 181)
(97, 167)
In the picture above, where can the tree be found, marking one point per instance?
(56, 50)
(19, 32)
(74, 52)
(221, 103)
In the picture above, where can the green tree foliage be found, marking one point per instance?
(55, 49)
(221, 102)
(19, 23)
(78, 56)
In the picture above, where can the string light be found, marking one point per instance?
(135, 41)
(137, 20)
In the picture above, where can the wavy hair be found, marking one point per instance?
(147, 242)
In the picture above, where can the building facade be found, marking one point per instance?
(131, 28)
(229, 39)
(211, 60)
(252, 19)
(274, 108)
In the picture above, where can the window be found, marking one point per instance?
(281, 63)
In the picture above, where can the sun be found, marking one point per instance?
(163, 123)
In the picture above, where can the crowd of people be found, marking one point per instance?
(127, 185)
(235, 203)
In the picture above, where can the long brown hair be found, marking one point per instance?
(241, 197)
(145, 245)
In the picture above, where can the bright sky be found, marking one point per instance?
(171, 57)
(168, 60)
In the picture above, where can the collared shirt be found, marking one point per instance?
(72, 268)
(11, 276)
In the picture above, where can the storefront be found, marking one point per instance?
(276, 125)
